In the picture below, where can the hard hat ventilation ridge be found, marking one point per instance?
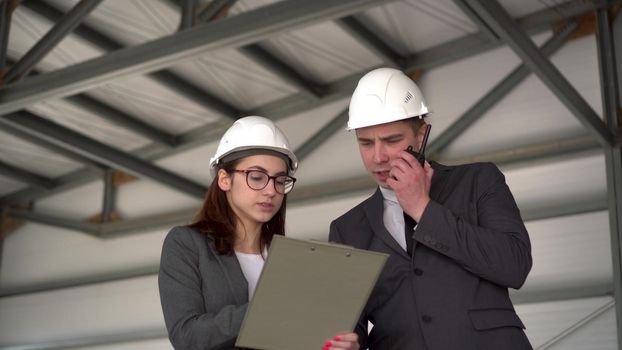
(408, 97)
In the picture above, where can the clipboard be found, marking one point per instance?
(307, 293)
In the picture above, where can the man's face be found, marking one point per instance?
(379, 144)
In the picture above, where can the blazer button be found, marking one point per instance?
(426, 318)
(418, 271)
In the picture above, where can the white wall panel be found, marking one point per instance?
(147, 197)
(120, 307)
(156, 344)
(77, 203)
(312, 220)
(530, 113)
(559, 181)
(37, 254)
(569, 252)
(545, 321)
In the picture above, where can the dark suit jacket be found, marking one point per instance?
(204, 295)
(470, 246)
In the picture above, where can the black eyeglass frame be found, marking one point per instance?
(273, 178)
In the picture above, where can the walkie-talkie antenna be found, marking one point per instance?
(425, 139)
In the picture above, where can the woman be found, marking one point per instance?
(209, 269)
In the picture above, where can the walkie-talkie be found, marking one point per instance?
(421, 154)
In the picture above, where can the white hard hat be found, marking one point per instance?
(253, 133)
(385, 95)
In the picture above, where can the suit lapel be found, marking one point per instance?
(233, 273)
(374, 210)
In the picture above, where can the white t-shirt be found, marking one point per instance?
(251, 265)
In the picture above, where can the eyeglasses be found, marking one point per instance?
(258, 180)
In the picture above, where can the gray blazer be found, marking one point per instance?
(470, 246)
(204, 295)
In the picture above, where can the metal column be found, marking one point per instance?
(613, 154)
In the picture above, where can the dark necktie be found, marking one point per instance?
(409, 226)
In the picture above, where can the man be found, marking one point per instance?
(445, 284)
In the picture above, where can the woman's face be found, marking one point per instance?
(253, 207)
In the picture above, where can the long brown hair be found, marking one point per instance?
(217, 219)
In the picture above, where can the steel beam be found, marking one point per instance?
(569, 148)
(91, 166)
(281, 69)
(123, 228)
(262, 56)
(120, 118)
(98, 151)
(372, 42)
(109, 197)
(163, 220)
(187, 14)
(165, 77)
(57, 33)
(568, 209)
(504, 26)
(25, 176)
(63, 183)
(235, 31)
(328, 130)
(534, 154)
(496, 94)
(439, 55)
(473, 44)
(613, 154)
(556, 293)
(51, 220)
(196, 94)
(5, 27)
(213, 8)
(485, 30)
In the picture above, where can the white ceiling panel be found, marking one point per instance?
(9, 185)
(322, 51)
(27, 28)
(25, 155)
(131, 21)
(235, 78)
(416, 25)
(89, 124)
(159, 106)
